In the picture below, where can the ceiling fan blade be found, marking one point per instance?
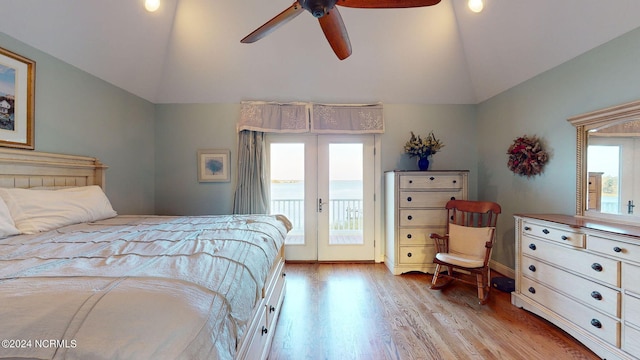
(386, 4)
(336, 33)
(279, 20)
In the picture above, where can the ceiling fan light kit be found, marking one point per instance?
(330, 19)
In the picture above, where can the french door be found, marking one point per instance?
(324, 185)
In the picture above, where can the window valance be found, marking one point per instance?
(314, 118)
(273, 117)
(347, 119)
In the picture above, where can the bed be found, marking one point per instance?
(102, 285)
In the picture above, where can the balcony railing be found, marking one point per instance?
(345, 214)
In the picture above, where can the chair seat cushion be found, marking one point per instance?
(460, 260)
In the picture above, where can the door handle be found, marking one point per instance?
(630, 207)
(319, 205)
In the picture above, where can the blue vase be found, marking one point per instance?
(423, 163)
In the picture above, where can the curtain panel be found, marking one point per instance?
(252, 189)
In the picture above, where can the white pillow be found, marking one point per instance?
(41, 210)
(467, 240)
(7, 226)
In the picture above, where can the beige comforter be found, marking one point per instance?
(135, 287)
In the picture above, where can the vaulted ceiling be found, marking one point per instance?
(189, 51)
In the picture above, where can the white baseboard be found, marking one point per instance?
(502, 269)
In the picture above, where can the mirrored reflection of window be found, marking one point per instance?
(605, 161)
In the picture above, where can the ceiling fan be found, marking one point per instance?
(330, 19)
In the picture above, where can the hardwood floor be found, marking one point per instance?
(362, 311)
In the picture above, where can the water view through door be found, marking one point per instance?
(320, 186)
(345, 194)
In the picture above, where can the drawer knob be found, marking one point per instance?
(410, 181)
(596, 323)
(409, 236)
(527, 228)
(453, 198)
(532, 268)
(410, 217)
(409, 198)
(545, 231)
(617, 249)
(264, 330)
(455, 181)
(532, 290)
(409, 254)
(432, 178)
(564, 237)
(597, 267)
(596, 295)
(532, 246)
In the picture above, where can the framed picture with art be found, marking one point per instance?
(17, 92)
(213, 165)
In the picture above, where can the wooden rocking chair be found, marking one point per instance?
(470, 235)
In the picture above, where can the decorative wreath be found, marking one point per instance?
(526, 156)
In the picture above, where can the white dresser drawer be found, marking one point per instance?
(632, 309)
(563, 236)
(422, 199)
(434, 181)
(423, 217)
(601, 325)
(583, 290)
(622, 250)
(417, 254)
(631, 342)
(631, 278)
(590, 265)
(418, 236)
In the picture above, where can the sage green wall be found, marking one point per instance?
(182, 129)
(77, 113)
(455, 125)
(606, 76)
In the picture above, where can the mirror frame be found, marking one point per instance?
(584, 123)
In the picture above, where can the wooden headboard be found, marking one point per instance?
(27, 169)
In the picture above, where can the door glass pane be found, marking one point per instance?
(345, 194)
(287, 187)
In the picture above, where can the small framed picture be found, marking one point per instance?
(17, 92)
(214, 165)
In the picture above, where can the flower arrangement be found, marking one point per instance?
(526, 156)
(423, 147)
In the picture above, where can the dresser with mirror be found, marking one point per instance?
(581, 272)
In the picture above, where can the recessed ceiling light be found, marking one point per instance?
(151, 5)
(476, 5)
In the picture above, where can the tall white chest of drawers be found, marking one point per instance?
(415, 207)
(582, 275)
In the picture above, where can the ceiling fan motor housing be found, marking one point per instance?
(318, 8)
